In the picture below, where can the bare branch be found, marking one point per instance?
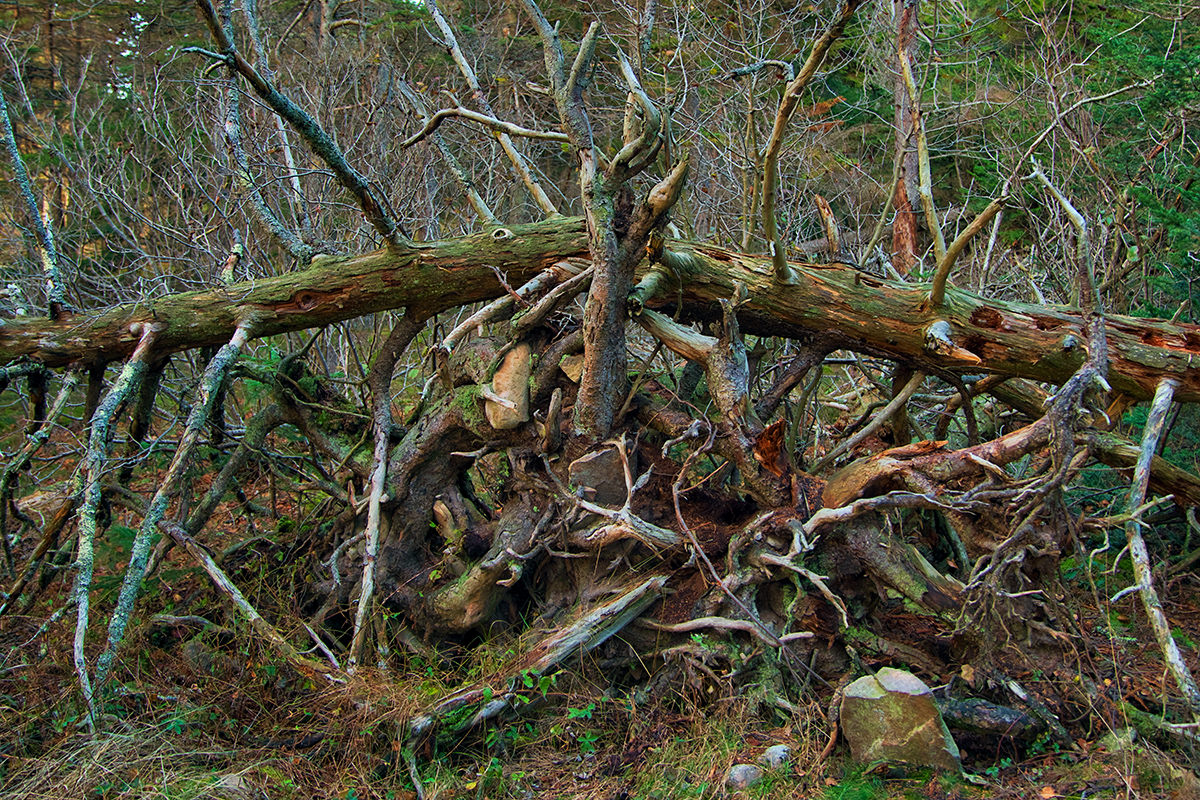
(1087, 296)
(937, 292)
(318, 140)
(786, 68)
(787, 106)
(1140, 557)
(380, 382)
(250, 9)
(924, 182)
(482, 209)
(228, 588)
(169, 486)
(95, 458)
(302, 252)
(883, 416)
(432, 123)
(519, 164)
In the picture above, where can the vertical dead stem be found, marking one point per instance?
(380, 382)
(787, 107)
(1141, 557)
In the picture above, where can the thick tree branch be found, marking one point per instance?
(857, 311)
(302, 252)
(169, 486)
(95, 458)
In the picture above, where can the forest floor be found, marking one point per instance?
(200, 709)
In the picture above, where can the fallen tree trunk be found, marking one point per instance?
(859, 311)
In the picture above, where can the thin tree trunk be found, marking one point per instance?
(1140, 556)
(907, 197)
(380, 383)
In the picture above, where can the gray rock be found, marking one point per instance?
(776, 756)
(198, 655)
(891, 716)
(601, 473)
(743, 776)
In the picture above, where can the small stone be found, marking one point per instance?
(601, 475)
(572, 367)
(776, 756)
(891, 716)
(198, 655)
(743, 776)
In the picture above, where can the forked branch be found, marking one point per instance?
(787, 107)
(169, 486)
(937, 292)
(94, 461)
(516, 158)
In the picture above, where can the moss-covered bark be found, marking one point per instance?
(861, 312)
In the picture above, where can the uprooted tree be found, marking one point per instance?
(596, 418)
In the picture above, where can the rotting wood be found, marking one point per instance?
(589, 629)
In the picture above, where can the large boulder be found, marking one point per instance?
(891, 716)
